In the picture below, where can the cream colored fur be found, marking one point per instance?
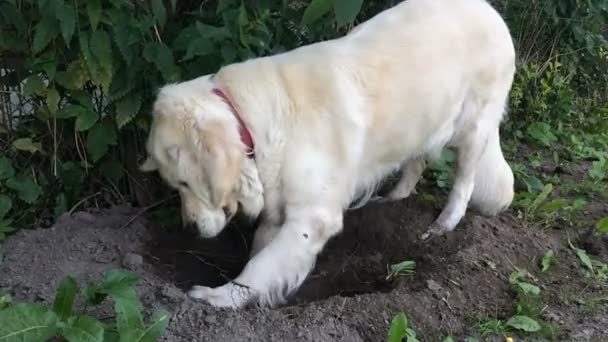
(330, 121)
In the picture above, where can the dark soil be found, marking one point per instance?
(460, 279)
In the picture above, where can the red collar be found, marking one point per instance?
(246, 137)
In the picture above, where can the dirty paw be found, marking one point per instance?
(226, 296)
(435, 230)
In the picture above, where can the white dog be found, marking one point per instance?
(298, 136)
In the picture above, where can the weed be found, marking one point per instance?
(34, 322)
(401, 269)
(400, 330)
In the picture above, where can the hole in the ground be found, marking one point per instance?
(355, 262)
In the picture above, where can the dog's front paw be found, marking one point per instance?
(434, 230)
(226, 296)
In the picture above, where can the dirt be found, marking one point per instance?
(460, 279)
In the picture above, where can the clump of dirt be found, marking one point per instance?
(459, 279)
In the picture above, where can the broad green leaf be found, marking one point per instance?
(101, 48)
(27, 322)
(14, 16)
(67, 22)
(86, 119)
(448, 339)
(346, 11)
(127, 108)
(46, 30)
(542, 132)
(585, 259)
(523, 323)
(162, 57)
(128, 310)
(64, 299)
(315, 10)
(52, 100)
(83, 329)
(6, 203)
(528, 288)
(27, 190)
(540, 198)
(6, 168)
(547, 260)
(160, 13)
(74, 77)
(199, 47)
(5, 227)
(70, 111)
(117, 281)
(26, 144)
(602, 225)
(99, 139)
(94, 12)
(398, 329)
(151, 333)
(554, 205)
(34, 85)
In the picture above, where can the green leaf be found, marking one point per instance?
(5, 227)
(541, 132)
(34, 85)
(99, 139)
(70, 111)
(152, 333)
(6, 168)
(83, 329)
(27, 322)
(26, 144)
(118, 281)
(46, 30)
(86, 119)
(315, 10)
(346, 11)
(74, 77)
(6, 203)
(547, 260)
(199, 47)
(585, 259)
(523, 323)
(398, 329)
(448, 339)
(112, 169)
(101, 48)
(540, 198)
(94, 12)
(64, 299)
(127, 108)
(52, 100)
(67, 22)
(160, 13)
(529, 288)
(162, 57)
(27, 190)
(602, 225)
(5, 301)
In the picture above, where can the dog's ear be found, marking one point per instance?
(149, 165)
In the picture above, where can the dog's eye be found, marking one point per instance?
(183, 184)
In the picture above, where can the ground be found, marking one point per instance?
(461, 280)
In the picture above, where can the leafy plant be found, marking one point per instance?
(547, 260)
(400, 331)
(35, 322)
(403, 268)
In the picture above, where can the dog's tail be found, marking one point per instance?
(494, 181)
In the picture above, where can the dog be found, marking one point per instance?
(296, 137)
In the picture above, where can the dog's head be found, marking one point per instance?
(195, 146)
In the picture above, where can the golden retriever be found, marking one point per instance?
(298, 136)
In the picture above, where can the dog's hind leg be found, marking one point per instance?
(471, 147)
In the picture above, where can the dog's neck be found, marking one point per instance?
(246, 137)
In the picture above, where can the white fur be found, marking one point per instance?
(332, 119)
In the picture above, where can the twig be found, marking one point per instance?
(82, 201)
(139, 213)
